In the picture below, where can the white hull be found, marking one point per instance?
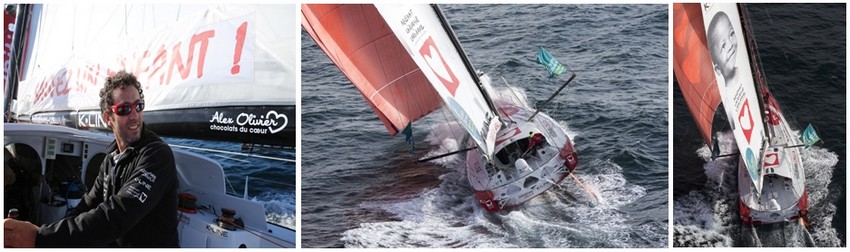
(198, 175)
(504, 184)
(783, 180)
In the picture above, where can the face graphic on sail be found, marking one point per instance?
(723, 45)
(122, 105)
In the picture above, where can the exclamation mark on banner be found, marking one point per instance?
(240, 42)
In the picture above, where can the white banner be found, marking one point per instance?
(215, 56)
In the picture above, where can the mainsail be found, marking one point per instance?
(219, 72)
(426, 41)
(725, 38)
(711, 64)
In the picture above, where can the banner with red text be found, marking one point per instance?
(188, 57)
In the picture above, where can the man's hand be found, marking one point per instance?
(19, 234)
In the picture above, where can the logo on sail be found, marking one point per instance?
(752, 167)
(438, 65)
(745, 119)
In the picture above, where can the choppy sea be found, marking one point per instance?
(803, 53)
(271, 181)
(360, 187)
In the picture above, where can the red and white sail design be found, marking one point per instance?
(358, 40)
(420, 30)
(735, 82)
(398, 56)
(693, 67)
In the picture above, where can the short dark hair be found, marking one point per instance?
(119, 80)
(713, 25)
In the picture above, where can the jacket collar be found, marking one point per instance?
(146, 136)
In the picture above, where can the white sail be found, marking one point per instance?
(420, 30)
(725, 39)
(199, 57)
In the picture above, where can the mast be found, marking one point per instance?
(21, 23)
(758, 76)
(465, 59)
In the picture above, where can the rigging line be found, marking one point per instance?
(233, 153)
(226, 157)
(446, 154)
(755, 236)
(399, 115)
(393, 97)
(272, 181)
(74, 32)
(452, 129)
(96, 35)
(226, 179)
(808, 236)
(145, 18)
(125, 19)
(514, 94)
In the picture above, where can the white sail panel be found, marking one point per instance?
(420, 31)
(728, 50)
(184, 56)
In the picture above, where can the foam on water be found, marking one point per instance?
(384, 200)
(709, 217)
(449, 215)
(267, 176)
(280, 208)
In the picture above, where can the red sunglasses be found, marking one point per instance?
(125, 108)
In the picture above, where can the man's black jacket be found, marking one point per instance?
(132, 203)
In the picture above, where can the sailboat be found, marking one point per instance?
(406, 62)
(771, 176)
(189, 59)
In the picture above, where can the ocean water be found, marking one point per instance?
(271, 183)
(360, 187)
(803, 53)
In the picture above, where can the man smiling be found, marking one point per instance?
(133, 200)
